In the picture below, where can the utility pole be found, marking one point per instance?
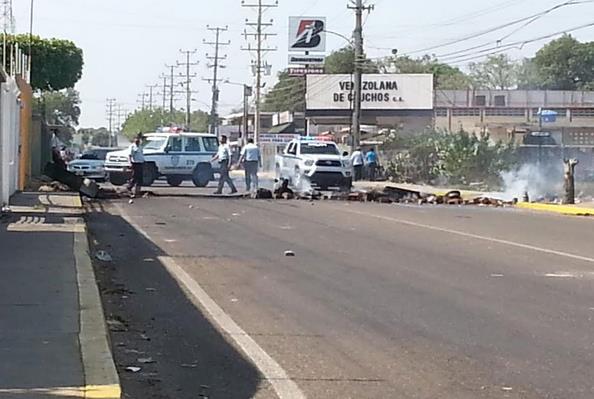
(141, 100)
(216, 59)
(188, 83)
(111, 102)
(247, 93)
(171, 87)
(359, 7)
(151, 89)
(260, 36)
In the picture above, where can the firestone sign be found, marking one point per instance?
(378, 92)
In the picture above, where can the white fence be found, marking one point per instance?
(9, 139)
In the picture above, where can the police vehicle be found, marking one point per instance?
(317, 160)
(170, 153)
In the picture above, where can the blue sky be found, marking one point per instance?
(127, 43)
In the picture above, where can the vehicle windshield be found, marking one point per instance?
(319, 148)
(154, 143)
(211, 144)
(95, 155)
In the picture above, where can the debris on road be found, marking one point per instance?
(289, 253)
(103, 256)
(132, 369)
(146, 360)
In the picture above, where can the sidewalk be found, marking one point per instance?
(53, 340)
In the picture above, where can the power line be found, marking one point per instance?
(260, 37)
(215, 65)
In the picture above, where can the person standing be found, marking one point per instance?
(358, 161)
(223, 156)
(252, 160)
(371, 158)
(136, 158)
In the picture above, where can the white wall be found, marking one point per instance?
(9, 139)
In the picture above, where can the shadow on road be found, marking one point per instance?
(155, 327)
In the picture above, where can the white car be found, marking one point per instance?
(91, 164)
(177, 156)
(319, 161)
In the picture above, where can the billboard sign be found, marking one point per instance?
(379, 92)
(307, 34)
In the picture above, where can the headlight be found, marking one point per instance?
(309, 162)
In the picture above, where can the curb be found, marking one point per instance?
(101, 377)
(567, 210)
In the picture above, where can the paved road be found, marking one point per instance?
(380, 301)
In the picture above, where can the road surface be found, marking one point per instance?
(380, 301)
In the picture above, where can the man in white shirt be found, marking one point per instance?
(252, 160)
(358, 161)
(224, 158)
(136, 157)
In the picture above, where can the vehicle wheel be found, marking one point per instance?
(118, 179)
(202, 175)
(175, 181)
(150, 175)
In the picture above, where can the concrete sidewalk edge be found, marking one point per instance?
(101, 377)
(558, 209)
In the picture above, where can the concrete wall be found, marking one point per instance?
(9, 139)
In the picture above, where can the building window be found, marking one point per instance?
(441, 112)
(480, 101)
(582, 112)
(466, 112)
(510, 112)
(500, 101)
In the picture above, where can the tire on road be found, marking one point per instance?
(202, 175)
(118, 179)
(150, 174)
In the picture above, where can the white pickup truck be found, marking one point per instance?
(320, 162)
(176, 156)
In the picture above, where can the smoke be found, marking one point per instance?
(538, 181)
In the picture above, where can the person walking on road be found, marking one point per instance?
(371, 159)
(252, 160)
(136, 157)
(223, 156)
(358, 161)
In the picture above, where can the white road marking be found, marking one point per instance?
(561, 275)
(475, 236)
(284, 387)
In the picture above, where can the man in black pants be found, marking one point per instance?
(137, 161)
(224, 158)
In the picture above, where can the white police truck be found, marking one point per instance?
(319, 161)
(173, 154)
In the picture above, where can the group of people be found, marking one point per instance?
(361, 160)
(250, 157)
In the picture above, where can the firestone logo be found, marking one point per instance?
(309, 34)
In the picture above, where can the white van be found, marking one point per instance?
(177, 156)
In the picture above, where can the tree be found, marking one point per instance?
(497, 72)
(288, 94)
(56, 64)
(343, 62)
(528, 78)
(59, 107)
(146, 121)
(565, 64)
(446, 77)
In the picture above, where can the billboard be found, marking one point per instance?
(379, 92)
(307, 34)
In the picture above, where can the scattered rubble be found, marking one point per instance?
(132, 369)
(103, 256)
(289, 253)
